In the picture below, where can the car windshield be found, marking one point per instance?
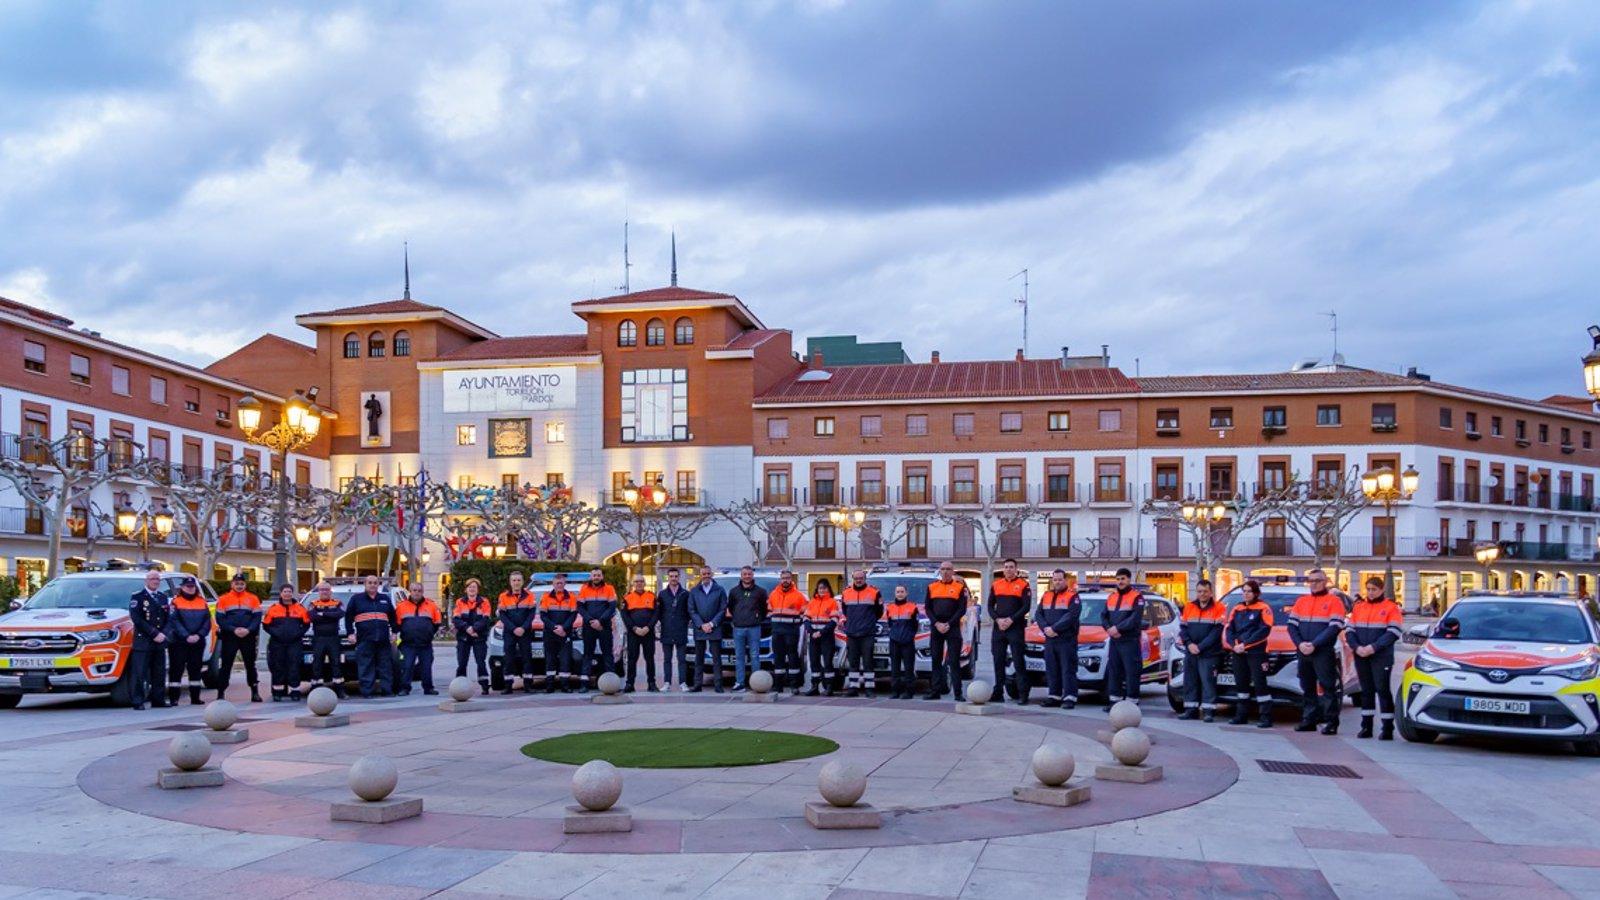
(89, 592)
(1546, 623)
(1093, 606)
(916, 588)
(766, 581)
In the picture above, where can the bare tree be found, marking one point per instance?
(990, 520)
(56, 476)
(1214, 537)
(407, 516)
(1319, 512)
(209, 510)
(771, 530)
(657, 530)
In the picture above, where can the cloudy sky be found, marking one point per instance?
(1193, 184)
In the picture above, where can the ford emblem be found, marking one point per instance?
(33, 643)
(1499, 676)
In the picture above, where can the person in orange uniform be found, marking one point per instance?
(823, 616)
(558, 615)
(863, 607)
(188, 632)
(472, 618)
(639, 614)
(597, 603)
(786, 606)
(419, 622)
(1123, 619)
(1315, 621)
(1010, 599)
(901, 618)
(1200, 634)
(1249, 626)
(239, 626)
(1373, 629)
(516, 609)
(946, 606)
(1059, 617)
(286, 623)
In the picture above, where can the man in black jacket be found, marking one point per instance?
(147, 663)
(1059, 616)
(747, 607)
(1010, 599)
(674, 606)
(1123, 620)
(327, 651)
(946, 606)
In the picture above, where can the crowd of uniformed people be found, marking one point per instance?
(577, 628)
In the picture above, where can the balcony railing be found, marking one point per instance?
(1522, 496)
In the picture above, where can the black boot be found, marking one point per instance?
(222, 693)
(1189, 714)
(483, 686)
(1239, 715)
(1366, 728)
(173, 693)
(1306, 725)
(255, 693)
(1387, 731)
(194, 697)
(1331, 728)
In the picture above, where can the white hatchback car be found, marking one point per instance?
(1518, 665)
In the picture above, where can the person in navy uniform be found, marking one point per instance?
(419, 620)
(674, 599)
(901, 618)
(327, 644)
(286, 623)
(862, 604)
(188, 632)
(1010, 599)
(147, 662)
(1373, 629)
(1123, 620)
(370, 621)
(1200, 635)
(472, 620)
(1246, 634)
(1059, 616)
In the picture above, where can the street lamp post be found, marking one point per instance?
(1486, 553)
(1591, 364)
(295, 428)
(315, 540)
(846, 519)
(1382, 486)
(140, 522)
(1203, 516)
(642, 501)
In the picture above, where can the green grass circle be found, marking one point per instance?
(679, 748)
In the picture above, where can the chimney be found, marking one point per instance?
(1019, 354)
(1105, 355)
(816, 359)
(935, 358)
(1419, 376)
(1065, 354)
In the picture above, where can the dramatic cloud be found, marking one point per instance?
(1192, 184)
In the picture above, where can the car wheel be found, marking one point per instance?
(1414, 734)
(121, 691)
(10, 701)
(211, 676)
(1174, 700)
(497, 676)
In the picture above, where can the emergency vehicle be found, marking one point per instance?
(74, 636)
(916, 580)
(1521, 665)
(1155, 645)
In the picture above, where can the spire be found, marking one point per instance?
(674, 257)
(408, 271)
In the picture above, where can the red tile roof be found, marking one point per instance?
(1344, 377)
(656, 295)
(528, 346)
(910, 381)
(755, 337)
(34, 312)
(374, 309)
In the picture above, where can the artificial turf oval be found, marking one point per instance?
(679, 748)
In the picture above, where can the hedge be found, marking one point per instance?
(495, 574)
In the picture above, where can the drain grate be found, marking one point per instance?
(1322, 770)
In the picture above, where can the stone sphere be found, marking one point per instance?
(597, 785)
(979, 692)
(189, 751)
(609, 683)
(220, 715)
(842, 783)
(1131, 746)
(1053, 765)
(1125, 714)
(761, 681)
(373, 778)
(322, 701)
(462, 689)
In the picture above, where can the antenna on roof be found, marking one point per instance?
(627, 283)
(407, 295)
(1023, 302)
(1335, 317)
(674, 257)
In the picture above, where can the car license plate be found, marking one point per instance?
(881, 647)
(30, 662)
(1035, 664)
(1488, 705)
(1224, 678)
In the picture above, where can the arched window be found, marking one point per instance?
(375, 344)
(683, 331)
(352, 346)
(627, 334)
(402, 343)
(655, 333)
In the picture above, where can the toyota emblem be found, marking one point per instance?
(1499, 676)
(33, 643)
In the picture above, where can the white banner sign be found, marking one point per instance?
(511, 390)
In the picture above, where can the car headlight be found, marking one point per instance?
(1427, 662)
(1578, 671)
(102, 636)
(499, 629)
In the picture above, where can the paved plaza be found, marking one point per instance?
(1456, 819)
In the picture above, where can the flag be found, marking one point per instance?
(422, 486)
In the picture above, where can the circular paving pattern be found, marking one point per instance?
(679, 748)
(937, 776)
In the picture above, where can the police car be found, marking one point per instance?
(74, 636)
(1283, 660)
(1516, 665)
(1155, 644)
(916, 580)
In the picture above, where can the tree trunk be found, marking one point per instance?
(58, 515)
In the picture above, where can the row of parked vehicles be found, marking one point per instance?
(1523, 665)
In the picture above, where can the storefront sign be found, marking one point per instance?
(511, 390)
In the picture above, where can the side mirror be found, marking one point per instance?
(15, 605)
(1417, 634)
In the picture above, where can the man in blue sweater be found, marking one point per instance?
(370, 621)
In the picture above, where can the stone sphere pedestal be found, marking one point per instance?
(597, 786)
(189, 752)
(761, 688)
(220, 717)
(462, 689)
(372, 780)
(842, 786)
(1053, 766)
(979, 692)
(1130, 747)
(610, 685)
(321, 703)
